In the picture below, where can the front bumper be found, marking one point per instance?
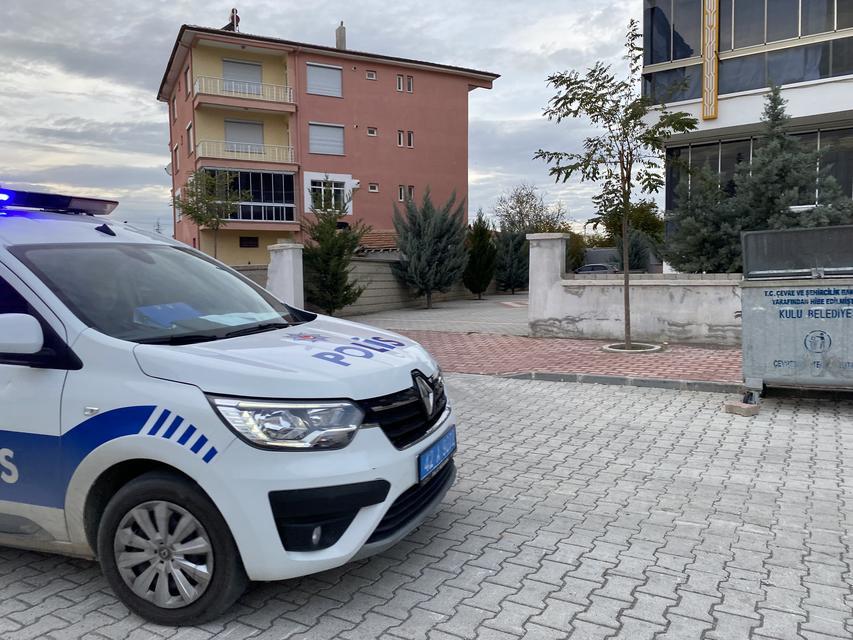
(254, 500)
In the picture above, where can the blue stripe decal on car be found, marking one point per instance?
(186, 435)
(173, 427)
(210, 454)
(160, 421)
(199, 444)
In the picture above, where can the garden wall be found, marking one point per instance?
(685, 308)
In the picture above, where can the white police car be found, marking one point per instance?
(163, 414)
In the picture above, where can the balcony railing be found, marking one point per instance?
(241, 89)
(244, 151)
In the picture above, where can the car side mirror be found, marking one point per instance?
(20, 334)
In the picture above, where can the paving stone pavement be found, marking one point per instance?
(581, 511)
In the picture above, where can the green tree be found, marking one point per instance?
(523, 210)
(775, 191)
(482, 253)
(432, 245)
(643, 216)
(627, 155)
(638, 251)
(328, 253)
(705, 233)
(210, 199)
(511, 270)
(575, 251)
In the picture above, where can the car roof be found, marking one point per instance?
(41, 227)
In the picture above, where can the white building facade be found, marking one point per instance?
(715, 59)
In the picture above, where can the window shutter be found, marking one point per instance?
(241, 77)
(324, 81)
(325, 139)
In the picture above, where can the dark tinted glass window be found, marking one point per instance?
(845, 13)
(10, 300)
(657, 27)
(808, 142)
(749, 23)
(842, 57)
(837, 157)
(674, 85)
(742, 74)
(705, 156)
(798, 64)
(818, 16)
(687, 29)
(782, 20)
(726, 8)
(249, 242)
(731, 155)
(675, 160)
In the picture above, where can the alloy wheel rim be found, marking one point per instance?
(163, 554)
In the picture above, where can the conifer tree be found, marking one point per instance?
(511, 271)
(327, 254)
(432, 245)
(482, 254)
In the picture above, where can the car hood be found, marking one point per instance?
(324, 358)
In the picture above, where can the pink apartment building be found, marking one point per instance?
(286, 117)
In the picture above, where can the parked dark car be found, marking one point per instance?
(596, 268)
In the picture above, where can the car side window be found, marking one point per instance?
(10, 300)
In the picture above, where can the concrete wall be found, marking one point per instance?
(681, 308)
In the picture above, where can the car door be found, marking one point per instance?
(31, 502)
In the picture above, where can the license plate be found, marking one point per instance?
(432, 459)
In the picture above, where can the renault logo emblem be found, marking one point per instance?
(426, 392)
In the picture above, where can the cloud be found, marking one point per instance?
(142, 137)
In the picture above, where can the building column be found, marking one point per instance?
(547, 264)
(284, 277)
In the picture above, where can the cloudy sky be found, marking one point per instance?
(79, 113)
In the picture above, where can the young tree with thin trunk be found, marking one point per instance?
(432, 245)
(209, 199)
(626, 156)
(481, 256)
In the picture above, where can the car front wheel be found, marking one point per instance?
(167, 552)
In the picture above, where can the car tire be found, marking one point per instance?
(193, 572)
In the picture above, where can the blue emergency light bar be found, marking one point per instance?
(54, 202)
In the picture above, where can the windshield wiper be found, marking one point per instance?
(187, 338)
(258, 328)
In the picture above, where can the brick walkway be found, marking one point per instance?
(488, 353)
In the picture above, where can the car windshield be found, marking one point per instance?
(152, 293)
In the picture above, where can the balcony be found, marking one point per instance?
(245, 151)
(221, 92)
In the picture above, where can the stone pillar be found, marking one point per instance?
(284, 278)
(547, 264)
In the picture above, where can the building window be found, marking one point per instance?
(674, 85)
(410, 84)
(177, 160)
(328, 194)
(244, 137)
(187, 87)
(272, 195)
(410, 139)
(400, 138)
(373, 187)
(791, 65)
(370, 75)
(372, 132)
(399, 82)
(190, 139)
(324, 80)
(326, 138)
(242, 78)
(250, 242)
(178, 213)
(723, 158)
(411, 192)
(174, 108)
(672, 30)
(401, 193)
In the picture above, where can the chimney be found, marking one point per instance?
(341, 36)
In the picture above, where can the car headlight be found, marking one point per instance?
(291, 425)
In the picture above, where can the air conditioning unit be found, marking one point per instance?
(356, 184)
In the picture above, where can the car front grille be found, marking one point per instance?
(402, 415)
(412, 502)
